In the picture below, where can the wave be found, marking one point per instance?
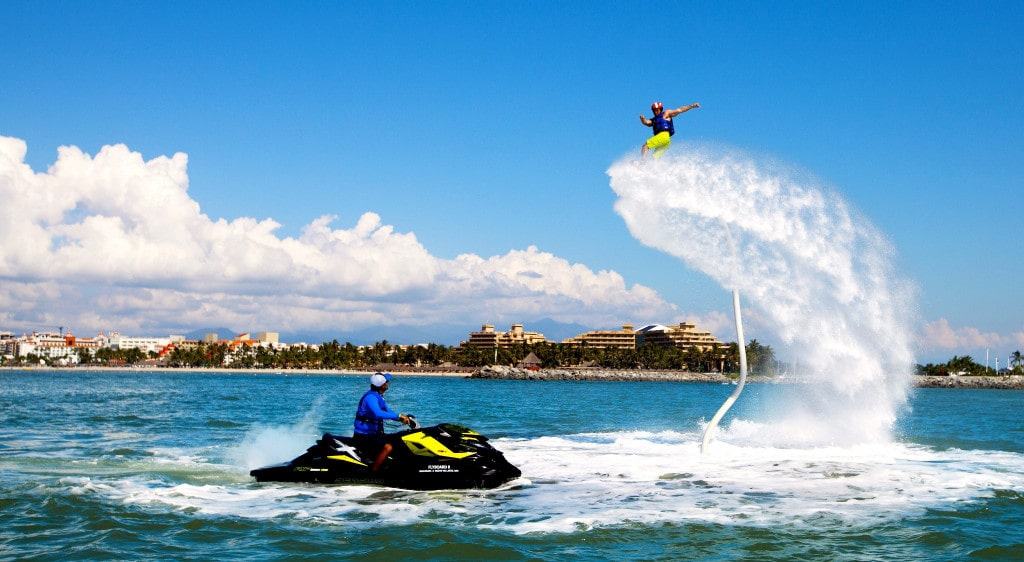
(599, 480)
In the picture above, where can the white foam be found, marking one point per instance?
(663, 478)
(575, 482)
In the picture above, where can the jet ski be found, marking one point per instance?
(443, 457)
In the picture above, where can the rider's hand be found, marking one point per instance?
(403, 418)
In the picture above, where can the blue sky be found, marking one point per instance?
(486, 130)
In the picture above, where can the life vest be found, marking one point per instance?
(661, 124)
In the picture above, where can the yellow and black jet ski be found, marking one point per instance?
(442, 457)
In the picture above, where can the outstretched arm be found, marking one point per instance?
(670, 113)
(381, 411)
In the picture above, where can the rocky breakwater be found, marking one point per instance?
(512, 373)
(1009, 382)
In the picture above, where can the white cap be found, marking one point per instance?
(379, 379)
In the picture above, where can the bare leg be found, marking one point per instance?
(382, 456)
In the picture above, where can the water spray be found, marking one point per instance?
(823, 277)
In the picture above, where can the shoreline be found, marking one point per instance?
(995, 382)
(234, 371)
(1000, 382)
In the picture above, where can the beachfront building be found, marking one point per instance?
(489, 339)
(605, 339)
(8, 345)
(92, 344)
(684, 336)
(143, 344)
(262, 339)
(66, 349)
(59, 348)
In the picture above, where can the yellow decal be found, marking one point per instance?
(425, 446)
(346, 458)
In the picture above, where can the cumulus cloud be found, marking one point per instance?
(112, 241)
(940, 336)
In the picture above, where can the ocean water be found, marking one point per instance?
(97, 465)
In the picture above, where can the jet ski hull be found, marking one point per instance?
(442, 457)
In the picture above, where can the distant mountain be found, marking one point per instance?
(553, 330)
(406, 335)
(222, 333)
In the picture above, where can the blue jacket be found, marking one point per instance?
(371, 413)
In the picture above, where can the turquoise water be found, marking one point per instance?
(132, 465)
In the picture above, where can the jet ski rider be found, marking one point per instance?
(368, 430)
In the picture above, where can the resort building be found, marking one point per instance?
(8, 345)
(61, 348)
(144, 344)
(92, 344)
(684, 336)
(66, 349)
(489, 339)
(268, 337)
(262, 339)
(606, 339)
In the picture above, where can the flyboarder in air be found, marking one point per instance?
(663, 128)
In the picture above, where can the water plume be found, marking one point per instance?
(821, 275)
(267, 444)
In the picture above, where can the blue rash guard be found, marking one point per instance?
(371, 413)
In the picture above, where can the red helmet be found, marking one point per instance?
(656, 106)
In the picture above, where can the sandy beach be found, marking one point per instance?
(242, 371)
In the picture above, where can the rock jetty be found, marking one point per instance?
(1010, 382)
(513, 373)
(1007, 382)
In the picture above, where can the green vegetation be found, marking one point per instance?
(966, 366)
(334, 355)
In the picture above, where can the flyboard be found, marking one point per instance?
(709, 431)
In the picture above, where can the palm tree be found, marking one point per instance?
(965, 365)
(731, 357)
(1016, 359)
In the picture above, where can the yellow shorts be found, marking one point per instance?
(659, 143)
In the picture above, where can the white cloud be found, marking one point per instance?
(940, 336)
(115, 242)
(722, 325)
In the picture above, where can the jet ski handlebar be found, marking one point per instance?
(413, 424)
